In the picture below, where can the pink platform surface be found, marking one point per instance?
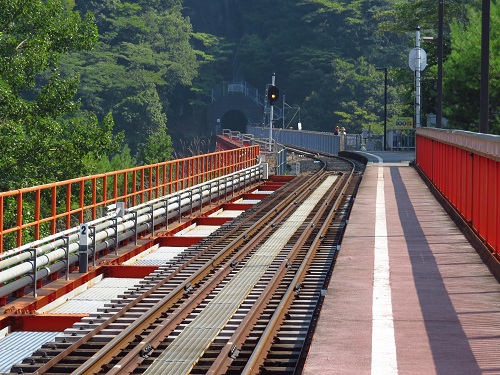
(445, 302)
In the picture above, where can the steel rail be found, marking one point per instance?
(179, 357)
(264, 344)
(178, 315)
(253, 212)
(235, 343)
(179, 290)
(127, 364)
(19, 265)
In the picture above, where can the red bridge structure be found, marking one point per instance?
(465, 168)
(415, 288)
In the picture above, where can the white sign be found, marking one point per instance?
(413, 60)
(84, 234)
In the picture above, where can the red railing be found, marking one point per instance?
(32, 213)
(465, 168)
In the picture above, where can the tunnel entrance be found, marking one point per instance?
(234, 120)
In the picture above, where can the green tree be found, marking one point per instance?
(462, 76)
(352, 97)
(43, 135)
(119, 161)
(298, 40)
(144, 56)
(403, 18)
(157, 148)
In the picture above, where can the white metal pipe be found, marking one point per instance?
(103, 225)
(20, 264)
(27, 280)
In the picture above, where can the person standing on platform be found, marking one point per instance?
(342, 139)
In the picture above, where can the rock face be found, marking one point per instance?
(217, 17)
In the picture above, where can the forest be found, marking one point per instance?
(89, 86)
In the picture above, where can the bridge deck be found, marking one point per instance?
(408, 294)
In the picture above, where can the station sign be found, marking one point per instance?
(403, 123)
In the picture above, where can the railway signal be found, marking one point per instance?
(273, 94)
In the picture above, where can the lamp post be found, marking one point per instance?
(439, 107)
(418, 69)
(385, 106)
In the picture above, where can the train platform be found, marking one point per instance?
(408, 294)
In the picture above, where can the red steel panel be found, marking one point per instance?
(496, 243)
(493, 211)
(462, 205)
(237, 206)
(119, 271)
(178, 241)
(215, 220)
(432, 152)
(469, 186)
(476, 188)
(454, 176)
(430, 157)
(469, 180)
(483, 197)
(44, 322)
(447, 168)
(439, 163)
(459, 179)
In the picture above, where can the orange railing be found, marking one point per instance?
(32, 213)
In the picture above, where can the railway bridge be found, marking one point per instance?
(346, 263)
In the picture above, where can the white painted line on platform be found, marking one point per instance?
(384, 360)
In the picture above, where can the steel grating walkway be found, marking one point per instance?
(183, 353)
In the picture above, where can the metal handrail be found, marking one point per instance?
(16, 269)
(59, 206)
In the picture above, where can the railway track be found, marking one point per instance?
(242, 301)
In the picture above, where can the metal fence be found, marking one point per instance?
(465, 168)
(32, 213)
(317, 141)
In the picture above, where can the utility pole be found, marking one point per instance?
(283, 112)
(417, 59)
(485, 68)
(385, 109)
(439, 107)
(385, 106)
(417, 79)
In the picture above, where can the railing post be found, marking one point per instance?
(190, 202)
(33, 259)
(152, 213)
(66, 252)
(83, 251)
(135, 227)
(166, 214)
(179, 206)
(94, 252)
(201, 199)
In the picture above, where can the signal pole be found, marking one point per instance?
(271, 115)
